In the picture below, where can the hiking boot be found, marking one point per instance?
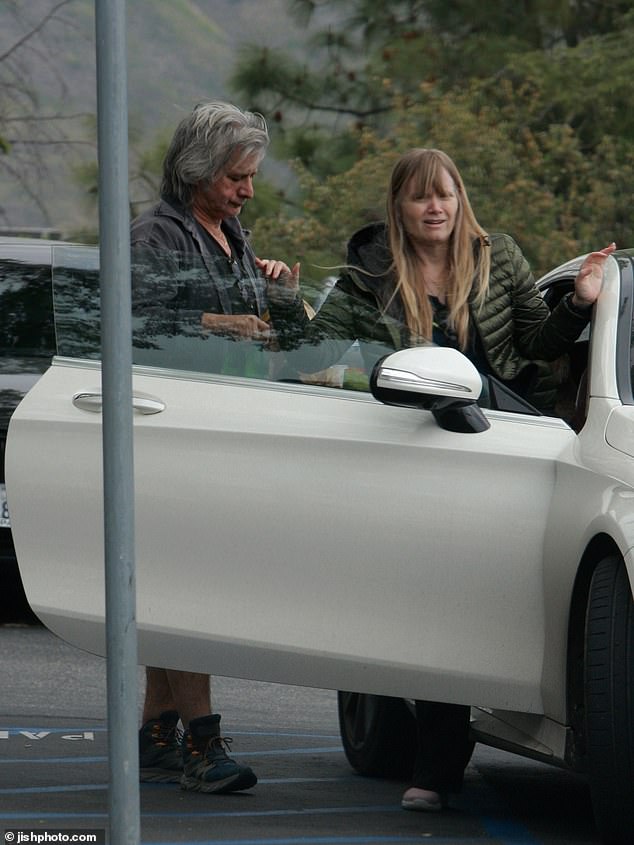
(207, 766)
(160, 756)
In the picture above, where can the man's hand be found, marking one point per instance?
(590, 277)
(283, 283)
(239, 326)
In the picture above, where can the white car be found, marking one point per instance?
(27, 345)
(304, 534)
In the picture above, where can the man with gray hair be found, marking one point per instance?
(208, 174)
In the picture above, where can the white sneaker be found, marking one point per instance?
(423, 800)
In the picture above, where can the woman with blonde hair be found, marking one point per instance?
(431, 273)
(445, 263)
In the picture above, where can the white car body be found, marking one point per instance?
(285, 578)
(304, 535)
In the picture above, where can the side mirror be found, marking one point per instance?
(433, 378)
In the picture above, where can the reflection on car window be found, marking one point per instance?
(76, 301)
(26, 314)
(210, 314)
(322, 337)
(170, 294)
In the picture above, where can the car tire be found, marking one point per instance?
(609, 700)
(378, 734)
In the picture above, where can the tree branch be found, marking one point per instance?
(34, 30)
(46, 119)
(18, 142)
(308, 104)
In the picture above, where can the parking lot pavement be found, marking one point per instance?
(54, 772)
(54, 778)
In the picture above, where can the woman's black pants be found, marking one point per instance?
(444, 747)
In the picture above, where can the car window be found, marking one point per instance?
(331, 340)
(571, 369)
(76, 301)
(26, 313)
(171, 292)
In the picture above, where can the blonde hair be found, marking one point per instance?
(422, 170)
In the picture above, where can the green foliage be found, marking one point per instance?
(266, 203)
(536, 180)
(365, 44)
(544, 138)
(533, 107)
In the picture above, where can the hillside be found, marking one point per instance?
(179, 52)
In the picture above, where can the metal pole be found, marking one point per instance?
(116, 328)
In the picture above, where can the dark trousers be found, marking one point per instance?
(444, 747)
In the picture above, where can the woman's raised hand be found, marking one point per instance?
(590, 277)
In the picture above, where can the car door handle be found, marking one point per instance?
(94, 402)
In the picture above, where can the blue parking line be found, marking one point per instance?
(300, 840)
(503, 831)
(506, 830)
(87, 787)
(339, 779)
(216, 814)
(313, 840)
(46, 790)
(333, 840)
(332, 749)
(290, 734)
(50, 816)
(201, 814)
(276, 752)
(23, 760)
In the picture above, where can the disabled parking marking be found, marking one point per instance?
(12, 730)
(502, 829)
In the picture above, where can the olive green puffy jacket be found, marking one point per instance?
(514, 323)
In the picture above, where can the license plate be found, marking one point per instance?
(5, 522)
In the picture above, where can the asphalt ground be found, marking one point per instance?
(54, 770)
